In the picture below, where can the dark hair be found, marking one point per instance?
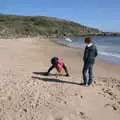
(88, 40)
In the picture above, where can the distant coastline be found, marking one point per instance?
(111, 33)
(101, 34)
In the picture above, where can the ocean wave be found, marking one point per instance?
(109, 54)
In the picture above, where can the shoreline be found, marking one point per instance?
(106, 58)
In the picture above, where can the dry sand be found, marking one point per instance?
(25, 95)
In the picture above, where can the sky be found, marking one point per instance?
(101, 14)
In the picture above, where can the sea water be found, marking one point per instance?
(108, 46)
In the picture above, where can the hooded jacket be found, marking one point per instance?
(90, 54)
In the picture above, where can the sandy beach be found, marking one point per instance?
(26, 94)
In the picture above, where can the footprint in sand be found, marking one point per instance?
(83, 116)
(25, 110)
(113, 106)
(62, 118)
(9, 98)
(119, 102)
(57, 118)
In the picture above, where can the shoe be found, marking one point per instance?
(89, 84)
(82, 84)
(67, 75)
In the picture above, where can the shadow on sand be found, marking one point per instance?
(45, 74)
(55, 80)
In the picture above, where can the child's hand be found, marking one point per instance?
(46, 74)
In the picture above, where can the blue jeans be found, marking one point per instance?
(87, 73)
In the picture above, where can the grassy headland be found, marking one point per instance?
(21, 26)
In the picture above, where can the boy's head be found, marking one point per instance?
(59, 65)
(59, 68)
(88, 40)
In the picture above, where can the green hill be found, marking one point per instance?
(17, 26)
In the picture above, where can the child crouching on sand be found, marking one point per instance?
(59, 65)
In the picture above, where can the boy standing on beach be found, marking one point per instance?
(90, 54)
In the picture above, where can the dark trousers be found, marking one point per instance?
(64, 67)
(87, 73)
